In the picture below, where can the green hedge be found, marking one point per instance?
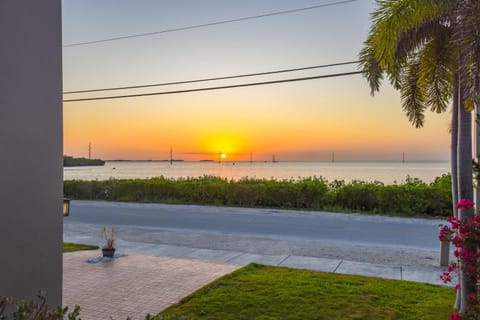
(413, 197)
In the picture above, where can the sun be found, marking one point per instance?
(223, 146)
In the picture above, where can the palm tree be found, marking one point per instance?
(430, 51)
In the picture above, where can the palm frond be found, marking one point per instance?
(409, 43)
(412, 95)
(467, 38)
(437, 69)
(391, 18)
(370, 68)
(413, 39)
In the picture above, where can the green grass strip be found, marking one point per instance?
(265, 292)
(71, 247)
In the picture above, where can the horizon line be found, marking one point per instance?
(263, 161)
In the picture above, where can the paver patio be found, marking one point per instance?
(134, 285)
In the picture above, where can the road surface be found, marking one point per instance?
(358, 237)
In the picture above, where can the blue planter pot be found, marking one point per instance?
(108, 252)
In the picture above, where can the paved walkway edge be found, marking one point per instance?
(424, 274)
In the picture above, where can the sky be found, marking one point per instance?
(306, 120)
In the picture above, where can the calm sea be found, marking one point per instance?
(387, 172)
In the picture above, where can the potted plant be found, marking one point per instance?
(109, 234)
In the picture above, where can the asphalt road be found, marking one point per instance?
(351, 229)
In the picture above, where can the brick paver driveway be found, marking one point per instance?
(133, 285)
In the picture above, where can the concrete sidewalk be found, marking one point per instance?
(426, 274)
(251, 249)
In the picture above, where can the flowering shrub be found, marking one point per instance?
(465, 236)
(37, 309)
(465, 204)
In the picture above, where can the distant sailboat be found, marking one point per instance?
(274, 159)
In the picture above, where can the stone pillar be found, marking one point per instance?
(444, 253)
(31, 174)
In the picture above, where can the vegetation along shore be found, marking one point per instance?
(77, 162)
(410, 198)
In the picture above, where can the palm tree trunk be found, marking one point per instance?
(476, 135)
(465, 186)
(453, 167)
(464, 159)
(453, 146)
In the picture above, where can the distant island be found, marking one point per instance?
(77, 162)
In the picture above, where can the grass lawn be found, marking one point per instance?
(266, 293)
(71, 247)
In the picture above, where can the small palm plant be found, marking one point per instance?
(109, 235)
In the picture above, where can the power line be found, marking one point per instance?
(214, 88)
(209, 24)
(212, 79)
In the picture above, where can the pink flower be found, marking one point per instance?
(456, 316)
(454, 222)
(445, 277)
(464, 229)
(468, 256)
(472, 270)
(457, 286)
(465, 204)
(457, 241)
(472, 298)
(444, 233)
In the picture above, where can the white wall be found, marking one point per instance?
(31, 149)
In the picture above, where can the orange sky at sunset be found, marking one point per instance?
(294, 122)
(305, 120)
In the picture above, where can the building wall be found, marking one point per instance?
(31, 173)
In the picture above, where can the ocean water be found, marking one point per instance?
(386, 172)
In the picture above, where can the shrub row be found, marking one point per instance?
(412, 197)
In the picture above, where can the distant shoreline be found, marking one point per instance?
(286, 161)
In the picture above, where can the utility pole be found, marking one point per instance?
(171, 156)
(251, 158)
(89, 151)
(403, 157)
(333, 157)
